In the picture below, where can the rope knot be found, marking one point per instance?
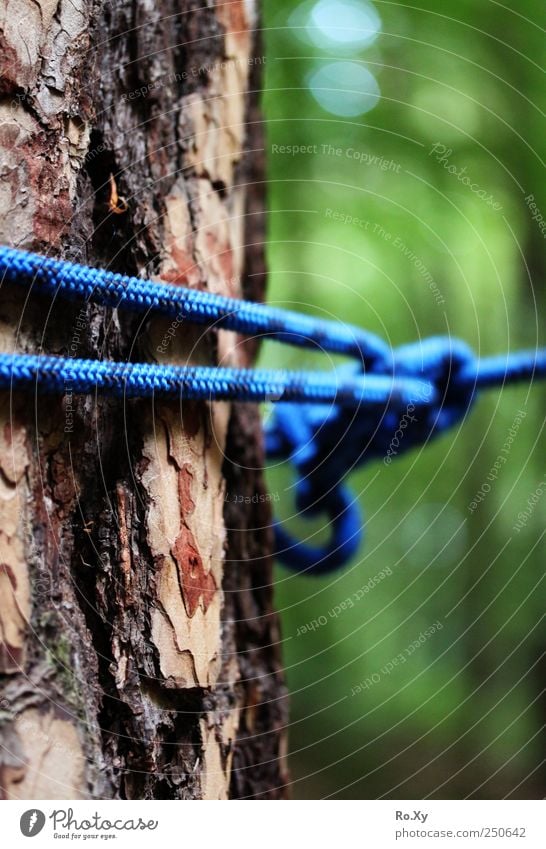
(430, 388)
(450, 366)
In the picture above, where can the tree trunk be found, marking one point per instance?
(138, 650)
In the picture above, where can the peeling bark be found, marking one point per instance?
(138, 654)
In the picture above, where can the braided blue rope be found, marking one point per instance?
(143, 380)
(325, 423)
(79, 282)
(325, 444)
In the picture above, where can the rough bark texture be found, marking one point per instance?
(138, 650)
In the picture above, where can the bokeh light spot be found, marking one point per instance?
(350, 24)
(344, 88)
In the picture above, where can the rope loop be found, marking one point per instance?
(346, 532)
(324, 444)
(325, 423)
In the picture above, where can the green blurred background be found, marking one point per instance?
(464, 714)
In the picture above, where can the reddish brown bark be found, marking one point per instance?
(138, 639)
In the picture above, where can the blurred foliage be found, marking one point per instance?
(462, 716)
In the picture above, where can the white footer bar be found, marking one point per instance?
(309, 825)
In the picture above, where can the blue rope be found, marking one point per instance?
(325, 423)
(324, 444)
(143, 380)
(78, 282)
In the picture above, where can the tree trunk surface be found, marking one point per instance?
(138, 642)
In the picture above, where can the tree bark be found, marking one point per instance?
(138, 654)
